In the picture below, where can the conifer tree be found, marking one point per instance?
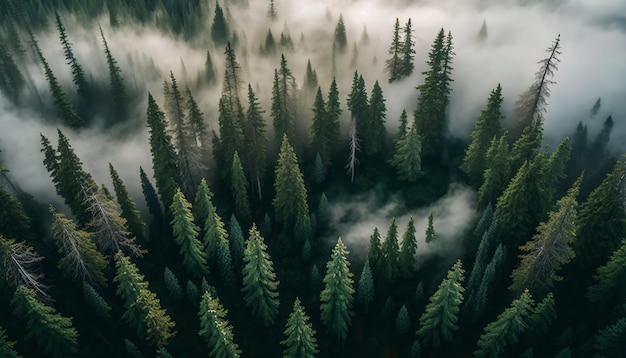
(186, 236)
(393, 65)
(78, 73)
(408, 51)
(20, 264)
(403, 321)
(260, 286)
(337, 296)
(6, 346)
(214, 234)
(439, 319)
(532, 103)
(237, 242)
(319, 170)
(202, 205)
(172, 285)
(225, 262)
(541, 318)
(431, 234)
(549, 249)
(310, 79)
(609, 278)
(365, 290)
(152, 200)
(134, 223)
(497, 171)
(374, 135)
(239, 186)
(93, 300)
(271, 11)
(14, 222)
(340, 43)
(300, 341)
(209, 70)
(333, 113)
(406, 258)
(283, 101)
(482, 33)
(390, 253)
(609, 341)
(506, 328)
(215, 329)
(374, 251)
(358, 104)
(219, 26)
(81, 260)
(11, 78)
(487, 127)
(118, 90)
(407, 156)
(52, 332)
(255, 141)
(290, 202)
(527, 145)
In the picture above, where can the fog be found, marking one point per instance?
(592, 65)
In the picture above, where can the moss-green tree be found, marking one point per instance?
(134, 223)
(202, 204)
(290, 203)
(438, 321)
(300, 341)
(365, 290)
(609, 341)
(609, 279)
(186, 236)
(215, 329)
(239, 186)
(407, 156)
(52, 332)
(497, 171)
(337, 296)
(408, 51)
(94, 301)
(260, 286)
(6, 346)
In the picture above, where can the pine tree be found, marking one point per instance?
(77, 71)
(506, 328)
(239, 187)
(408, 51)
(172, 285)
(319, 170)
(541, 318)
(320, 141)
(406, 260)
(431, 234)
(333, 114)
(225, 261)
(255, 141)
(214, 233)
(21, 266)
(337, 296)
(215, 329)
(365, 290)
(81, 260)
(152, 200)
(118, 91)
(390, 253)
(271, 11)
(186, 236)
(532, 103)
(439, 319)
(608, 287)
(290, 203)
(310, 79)
(11, 78)
(340, 43)
(487, 127)
(94, 301)
(134, 223)
(407, 157)
(609, 341)
(6, 346)
(497, 171)
(482, 33)
(549, 249)
(300, 341)
(374, 252)
(219, 27)
(358, 104)
(237, 244)
(393, 65)
(526, 147)
(202, 205)
(403, 321)
(164, 158)
(260, 286)
(374, 135)
(52, 332)
(210, 75)
(283, 101)
(14, 222)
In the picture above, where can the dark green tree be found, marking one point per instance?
(438, 321)
(609, 341)
(118, 91)
(283, 101)
(237, 242)
(431, 234)
(393, 65)
(300, 341)
(78, 74)
(52, 333)
(408, 51)
(152, 200)
(407, 156)
(337, 296)
(358, 104)
(340, 43)
(608, 287)
(390, 252)
(14, 222)
(403, 321)
(215, 329)
(186, 236)
(172, 285)
(374, 135)
(11, 78)
(239, 186)
(497, 171)
(203, 205)
(94, 301)
(365, 290)
(260, 287)
(255, 142)
(134, 223)
(487, 128)
(219, 28)
(374, 252)
(6, 346)
(406, 260)
(540, 320)
(290, 202)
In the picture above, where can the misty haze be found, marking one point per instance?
(349, 178)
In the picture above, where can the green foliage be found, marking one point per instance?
(393, 65)
(497, 171)
(186, 236)
(431, 234)
(51, 332)
(219, 27)
(237, 244)
(215, 329)
(407, 157)
(260, 286)
(408, 51)
(340, 43)
(390, 253)
(239, 186)
(365, 290)
(172, 285)
(610, 341)
(506, 328)
(358, 103)
(202, 205)
(118, 91)
(325, 125)
(526, 147)
(290, 201)
(78, 74)
(131, 349)
(193, 295)
(300, 341)
(609, 279)
(6, 346)
(403, 321)
(284, 101)
(11, 79)
(541, 319)
(152, 200)
(337, 296)
(416, 350)
(14, 222)
(214, 235)
(93, 299)
(374, 134)
(438, 321)
(319, 170)
(374, 251)
(225, 262)
(255, 141)
(134, 223)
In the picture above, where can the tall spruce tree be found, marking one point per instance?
(337, 296)
(365, 290)
(439, 319)
(406, 260)
(239, 187)
(408, 51)
(497, 171)
(390, 253)
(431, 234)
(608, 287)
(152, 199)
(407, 156)
(358, 104)
(219, 27)
(260, 287)
(186, 236)
(374, 135)
(134, 223)
(393, 65)
(487, 127)
(118, 91)
(215, 328)
(78, 74)
(340, 42)
(255, 142)
(284, 93)
(290, 202)
(300, 341)
(202, 205)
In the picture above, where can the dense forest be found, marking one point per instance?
(267, 178)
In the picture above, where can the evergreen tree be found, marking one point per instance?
(549, 249)
(11, 79)
(259, 280)
(225, 262)
(374, 135)
(340, 43)
(532, 103)
(290, 203)
(81, 260)
(193, 295)
(497, 171)
(300, 341)
(210, 75)
(325, 126)
(431, 234)
(487, 127)
(526, 147)
(283, 101)
(6, 346)
(215, 329)
(506, 328)
(134, 223)
(608, 287)
(52, 332)
(219, 28)
(14, 222)
(94, 301)
(374, 251)
(333, 114)
(255, 141)
(186, 236)
(406, 260)
(152, 200)
(541, 318)
(237, 244)
(214, 233)
(609, 341)
(172, 285)
(319, 170)
(20, 264)
(118, 91)
(439, 319)
(390, 253)
(202, 204)
(164, 158)
(394, 64)
(78, 73)
(403, 321)
(482, 33)
(337, 296)
(408, 51)
(365, 290)
(269, 48)
(271, 11)
(310, 79)
(239, 187)
(407, 157)
(358, 103)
